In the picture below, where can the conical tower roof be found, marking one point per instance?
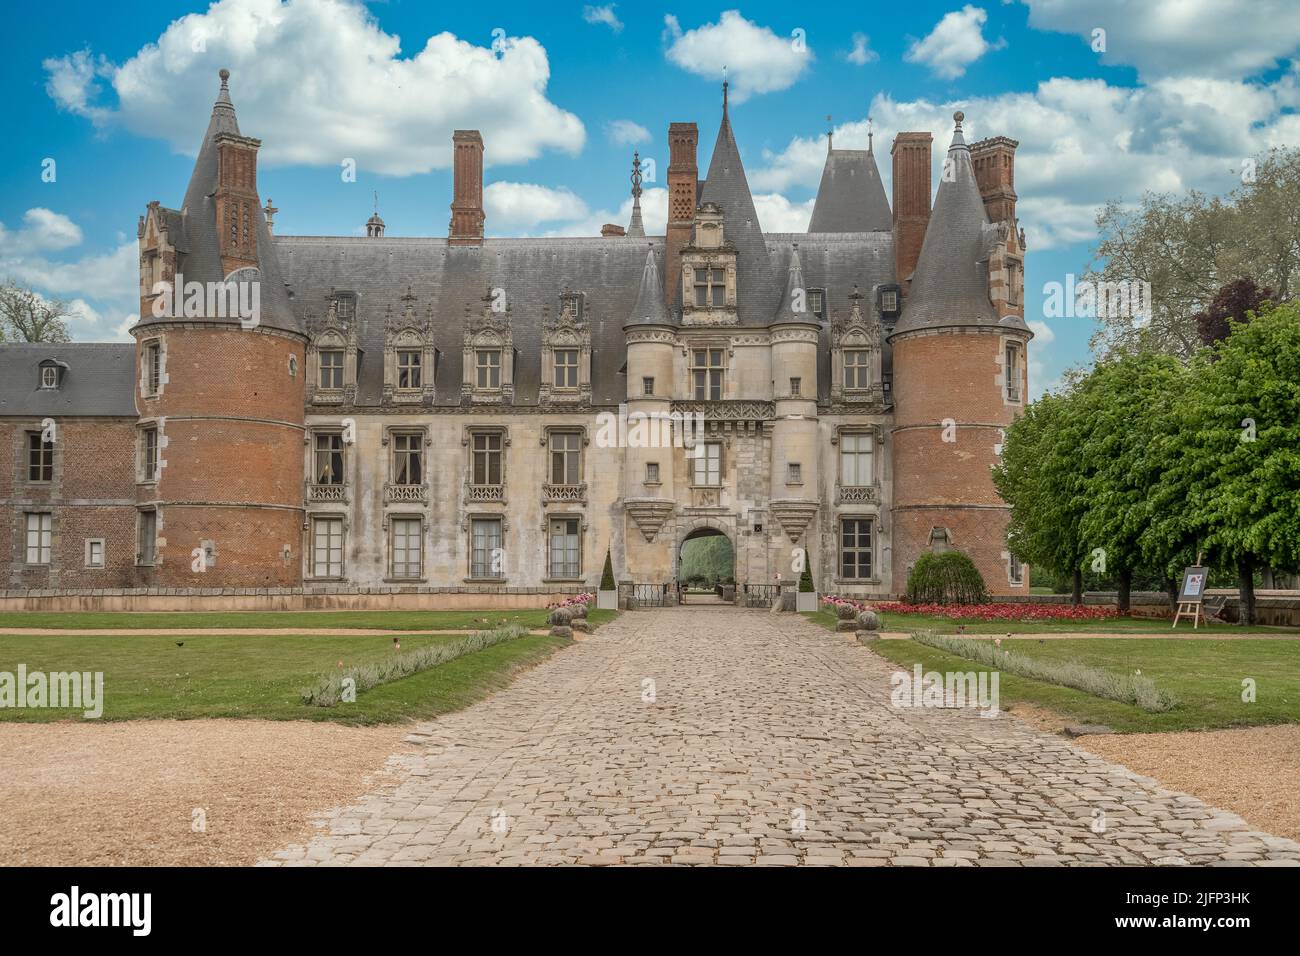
(851, 197)
(796, 294)
(950, 287)
(635, 228)
(649, 308)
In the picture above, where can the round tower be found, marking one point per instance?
(959, 358)
(220, 391)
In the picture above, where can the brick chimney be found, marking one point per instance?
(466, 227)
(911, 156)
(995, 173)
(611, 229)
(683, 183)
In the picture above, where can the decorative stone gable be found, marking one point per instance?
(410, 357)
(488, 337)
(331, 334)
(158, 251)
(708, 279)
(856, 339)
(566, 337)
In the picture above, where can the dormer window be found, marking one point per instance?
(857, 369)
(331, 369)
(566, 368)
(408, 369)
(49, 376)
(889, 301)
(487, 366)
(817, 303)
(347, 307)
(710, 287)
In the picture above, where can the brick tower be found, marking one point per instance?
(960, 366)
(219, 385)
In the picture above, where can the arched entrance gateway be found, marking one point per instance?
(706, 567)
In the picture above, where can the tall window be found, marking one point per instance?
(566, 458)
(706, 373)
(146, 535)
(485, 548)
(796, 387)
(855, 548)
(149, 454)
(710, 287)
(487, 459)
(647, 385)
(487, 366)
(408, 459)
(327, 547)
(329, 459)
(566, 368)
(347, 307)
(857, 369)
(407, 547)
(817, 303)
(40, 534)
(331, 369)
(94, 552)
(408, 368)
(1013, 282)
(889, 300)
(153, 367)
(566, 548)
(708, 464)
(1013, 372)
(1017, 570)
(855, 461)
(40, 458)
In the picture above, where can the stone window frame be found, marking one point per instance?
(153, 366)
(335, 370)
(874, 520)
(648, 386)
(1015, 280)
(723, 369)
(322, 430)
(140, 551)
(467, 439)
(48, 377)
(490, 332)
(144, 428)
(547, 518)
(550, 431)
(817, 295)
(796, 386)
(1009, 562)
(652, 478)
(1009, 367)
(575, 367)
(470, 518)
(309, 552)
(877, 453)
(793, 473)
(42, 533)
(103, 554)
(692, 460)
(857, 333)
(390, 529)
(44, 446)
(425, 442)
(714, 285)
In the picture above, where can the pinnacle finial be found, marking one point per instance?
(870, 134)
(958, 117)
(225, 75)
(724, 90)
(830, 134)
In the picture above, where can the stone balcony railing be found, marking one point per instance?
(327, 493)
(485, 493)
(418, 494)
(551, 492)
(858, 494)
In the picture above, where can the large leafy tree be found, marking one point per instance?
(27, 316)
(1235, 302)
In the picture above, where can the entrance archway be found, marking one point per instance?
(706, 566)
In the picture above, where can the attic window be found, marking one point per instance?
(347, 306)
(816, 303)
(49, 376)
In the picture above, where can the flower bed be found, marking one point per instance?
(1003, 612)
(570, 602)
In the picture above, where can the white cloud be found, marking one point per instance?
(1042, 332)
(624, 132)
(524, 205)
(778, 214)
(43, 229)
(1213, 38)
(756, 59)
(654, 216)
(603, 15)
(955, 43)
(319, 81)
(861, 54)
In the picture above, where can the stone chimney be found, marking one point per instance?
(683, 183)
(911, 205)
(466, 227)
(610, 229)
(995, 173)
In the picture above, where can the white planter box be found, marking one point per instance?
(607, 600)
(806, 601)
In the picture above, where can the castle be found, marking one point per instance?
(423, 414)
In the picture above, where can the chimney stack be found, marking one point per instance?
(911, 156)
(683, 184)
(995, 173)
(466, 227)
(610, 230)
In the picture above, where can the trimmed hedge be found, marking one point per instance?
(947, 578)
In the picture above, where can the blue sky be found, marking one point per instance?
(1183, 91)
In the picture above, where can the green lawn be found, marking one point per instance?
(1205, 676)
(1117, 625)
(149, 676)
(305, 620)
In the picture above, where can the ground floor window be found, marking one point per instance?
(566, 548)
(407, 547)
(327, 547)
(146, 537)
(855, 548)
(485, 559)
(1017, 570)
(40, 536)
(94, 552)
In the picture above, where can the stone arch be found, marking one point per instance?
(699, 527)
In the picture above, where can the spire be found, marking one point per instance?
(635, 229)
(830, 134)
(375, 225)
(223, 110)
(950, 286)
(650, 308)
(870, 135)
(794, 303)
(724, 92)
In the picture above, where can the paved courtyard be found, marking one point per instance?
(720, 736)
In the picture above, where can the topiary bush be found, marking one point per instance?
(947, 578)
(607, 576)
(806, 585)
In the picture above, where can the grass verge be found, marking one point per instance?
(1118, 625)
(307, 621)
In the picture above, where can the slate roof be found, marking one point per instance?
(649, 308)
(851, 197)
(98, 379)
(950, 286)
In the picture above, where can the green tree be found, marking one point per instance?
(607, 575)
(27, 316)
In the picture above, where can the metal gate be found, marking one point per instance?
(650, 595)
(760, 595)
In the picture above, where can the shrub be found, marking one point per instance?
(947, 578)
(806, 579)
(846, 612)
(607, 576)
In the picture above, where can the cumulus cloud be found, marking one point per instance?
(1042, 332)
(778, 214)
(42, 230)
(524, 205)
(756, 59)
(955, 43)
(603, 15)
(654, 216)
(861, 54)
(1211, 38)
(624, 132)
(319, 81)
